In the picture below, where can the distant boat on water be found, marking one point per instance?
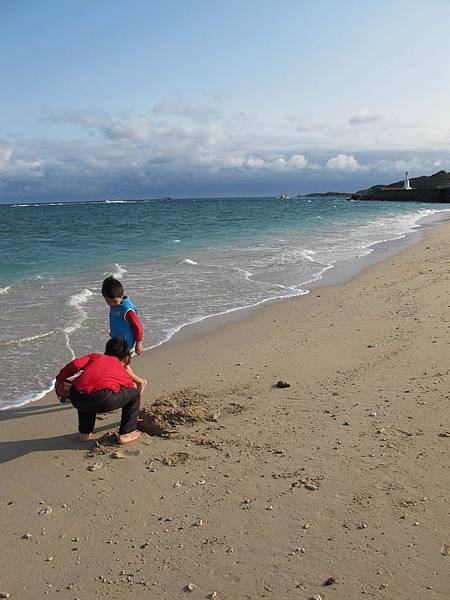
(283, 197)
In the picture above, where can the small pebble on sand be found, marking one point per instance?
(117, 454)
(282, 384)
(95, 466)
(310, 487)
(47, 510)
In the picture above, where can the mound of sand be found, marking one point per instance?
(179, 408)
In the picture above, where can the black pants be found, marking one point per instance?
(102, 401)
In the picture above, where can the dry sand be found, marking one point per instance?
(258, 492)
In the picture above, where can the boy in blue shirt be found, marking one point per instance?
(124, 322)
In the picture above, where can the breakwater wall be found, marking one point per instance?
(401, 195)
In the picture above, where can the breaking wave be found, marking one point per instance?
(118, 271)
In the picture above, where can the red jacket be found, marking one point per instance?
(100, 372)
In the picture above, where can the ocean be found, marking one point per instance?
(179, 260)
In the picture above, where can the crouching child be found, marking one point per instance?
(104, 385)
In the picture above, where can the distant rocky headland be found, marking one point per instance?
(432, 188)
(326, 194)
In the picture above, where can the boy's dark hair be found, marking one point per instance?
(112, 288)
(117, 347)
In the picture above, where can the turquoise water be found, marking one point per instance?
(58, 238)
(180, 261)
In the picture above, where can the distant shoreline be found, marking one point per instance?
(326, 194)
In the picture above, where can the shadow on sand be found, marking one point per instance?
(69, 441)
(31, 410)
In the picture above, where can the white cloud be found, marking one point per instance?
(255, 163)
(18, 167)
(416, 166)
(372, 117)
(296, 162)
(343, 162)
(134, 128)
(195, 111)
(138, 152)
(6, 151)
(140, 130)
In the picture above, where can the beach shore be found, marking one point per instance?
(271, 492)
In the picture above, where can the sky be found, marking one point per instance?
(149, 98)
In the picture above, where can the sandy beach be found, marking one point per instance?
(256, 492)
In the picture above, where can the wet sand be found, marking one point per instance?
(267, 492)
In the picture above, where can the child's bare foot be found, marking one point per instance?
(85, 437)
(127, 438)
(142, 385)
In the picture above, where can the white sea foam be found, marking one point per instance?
(176, 241)
(246, 274)
(27, 398)
(308, 254)
(120, 201)
(80, 298)
(77, 301)
(118, 271)
(4, 290)
(188, 261)
(29, 338)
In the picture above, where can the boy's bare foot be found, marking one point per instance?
(85, 437)
(127, 438)
(142, 385)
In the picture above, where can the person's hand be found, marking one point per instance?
(142, 385)
(139, 348)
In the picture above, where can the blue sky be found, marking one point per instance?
(135, 99)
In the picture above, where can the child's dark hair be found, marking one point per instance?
(117, 347)
(112, 288)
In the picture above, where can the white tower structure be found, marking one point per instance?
(406, 185)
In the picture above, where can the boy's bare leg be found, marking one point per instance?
(140, 382)
(85, 437)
